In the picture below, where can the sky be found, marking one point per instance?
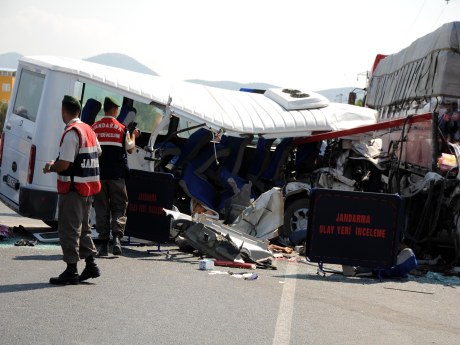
(304, 44)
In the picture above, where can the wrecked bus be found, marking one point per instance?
(213, 141)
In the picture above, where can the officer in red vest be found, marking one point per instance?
(78, 180)
(111, 203)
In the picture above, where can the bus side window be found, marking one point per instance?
(148, 116)
(28, 94)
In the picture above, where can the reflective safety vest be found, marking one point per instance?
(113, 162)
(83, 173)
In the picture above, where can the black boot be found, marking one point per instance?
(91, 269)
(116, 250)
(104, 249)
(69, 276)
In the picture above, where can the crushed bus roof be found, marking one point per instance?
(235, 112)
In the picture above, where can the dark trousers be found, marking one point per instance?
(110, 205)
(73, 227)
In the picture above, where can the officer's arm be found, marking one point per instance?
(67, 153)
(130, 142)
(57, 166)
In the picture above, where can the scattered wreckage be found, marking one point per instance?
(246, 238)
(412, 149)
(230, 150)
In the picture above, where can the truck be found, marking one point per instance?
(423, 78)
(413, 148)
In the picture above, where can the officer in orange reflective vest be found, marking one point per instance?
(78, 180)
(111, 203)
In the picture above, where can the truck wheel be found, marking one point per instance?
(53, 224)
(296, 217)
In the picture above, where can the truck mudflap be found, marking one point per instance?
(37, 204)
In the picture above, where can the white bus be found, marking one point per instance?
(33, 124)
(167, 113)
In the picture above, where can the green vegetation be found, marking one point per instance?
(3, 109)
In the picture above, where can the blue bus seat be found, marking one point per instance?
(192, 146)
(261, 158)
(126, 115)
(198, 187)
(237, 146)
(207, 182)
(305, 157)
(163, 153)
(90, 111)
(269, 176)
(272, 173)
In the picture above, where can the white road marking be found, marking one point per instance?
(286, 309)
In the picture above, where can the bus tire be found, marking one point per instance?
(295, 217)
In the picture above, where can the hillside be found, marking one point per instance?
(121, 61)
(9, 60)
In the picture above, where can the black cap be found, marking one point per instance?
(71, 100)
(111, 101)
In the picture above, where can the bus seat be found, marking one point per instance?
(126, 115)
(200, 178)
(90, 111)
(199, 188)
(261, 158)
(305, 156)
(272, 173)
(192, 146)
(164, 152)
(230, 181)
(209, 158)
(236, 145)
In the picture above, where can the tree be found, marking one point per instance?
(3, 109)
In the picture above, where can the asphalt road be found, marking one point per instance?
(162, 298)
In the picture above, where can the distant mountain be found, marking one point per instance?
(9, 60)
(121, 61)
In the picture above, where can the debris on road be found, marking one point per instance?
(206, 264)
(246, 239)
(278, 249)
(234, 264)
(5, 232)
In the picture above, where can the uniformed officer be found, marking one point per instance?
(78, 180)
(111, 203)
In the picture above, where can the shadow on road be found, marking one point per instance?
(430, 279)
(38, 257)
(333, 277)
(25, 287)
(178, 257)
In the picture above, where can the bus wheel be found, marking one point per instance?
(296, 217)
